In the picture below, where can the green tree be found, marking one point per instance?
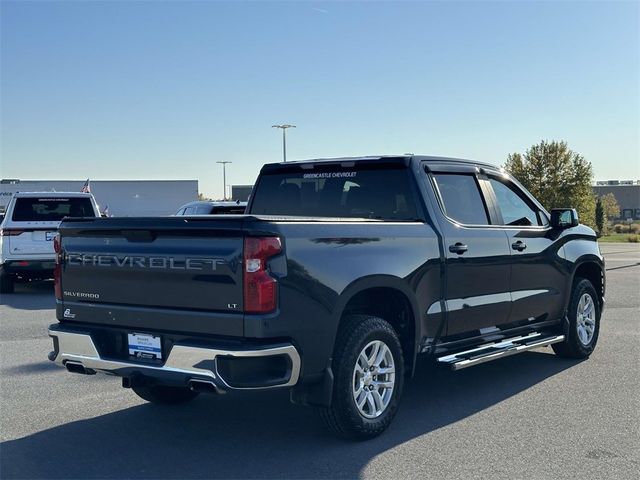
(601, 220)
(610, 206)
(557, 176)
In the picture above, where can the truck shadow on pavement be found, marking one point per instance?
(260, 434)
(30, 296)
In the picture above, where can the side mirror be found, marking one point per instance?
(564, 218)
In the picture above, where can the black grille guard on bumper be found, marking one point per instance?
(77, 352)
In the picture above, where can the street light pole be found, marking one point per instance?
(224, 178)
(284, 127)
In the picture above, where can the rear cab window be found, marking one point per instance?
(54, 209)
(383, 193)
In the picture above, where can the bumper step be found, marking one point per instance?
(501, 349)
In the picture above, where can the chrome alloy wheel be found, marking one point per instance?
(374, 379)
(586, 319)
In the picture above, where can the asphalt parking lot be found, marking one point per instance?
(533, 415)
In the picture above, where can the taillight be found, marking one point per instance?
(260, 289)
(57, 270)
(10, 232)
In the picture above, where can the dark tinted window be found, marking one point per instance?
(515, 210)
(462, 199)
(357, 193)
(212, 210)
(203, 209)
(228, 210)
(51, 209)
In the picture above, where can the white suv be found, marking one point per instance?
(27, 231)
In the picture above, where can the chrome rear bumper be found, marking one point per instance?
(183, 364)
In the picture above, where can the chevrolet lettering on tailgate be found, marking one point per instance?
(170, 263)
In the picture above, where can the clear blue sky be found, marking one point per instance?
(119, 90)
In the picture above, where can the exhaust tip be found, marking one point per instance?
(75, 367)
(204, 386)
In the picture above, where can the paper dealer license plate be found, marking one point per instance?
(144, 346)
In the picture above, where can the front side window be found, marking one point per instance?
(461, 198)
(515, 210)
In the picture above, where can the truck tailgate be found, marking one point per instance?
(128, 271)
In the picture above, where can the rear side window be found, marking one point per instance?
(383, 194)
(51, 209)
(204, 210)
(461, 198)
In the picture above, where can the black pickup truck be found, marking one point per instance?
(341, 272)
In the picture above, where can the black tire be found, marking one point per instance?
(343, 416)
(6, 282)
(164, 395)
(573, 347)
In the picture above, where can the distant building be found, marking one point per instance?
(627, 193)
(125, 198)
(241, 192)
(602, 183)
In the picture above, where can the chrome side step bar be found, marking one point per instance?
(501, 349)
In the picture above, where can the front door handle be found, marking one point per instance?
(458, 248)
(519, 245)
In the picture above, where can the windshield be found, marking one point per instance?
(384, 194)
(51, 209)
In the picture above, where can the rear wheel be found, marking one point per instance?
(584, 322)
(6, 282)
(164, 395)
(368, 369)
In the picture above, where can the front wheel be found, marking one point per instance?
(164, 395)
(584, 322)
(368, 369)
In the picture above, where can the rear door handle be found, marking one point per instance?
(519, 245)
(458, 248)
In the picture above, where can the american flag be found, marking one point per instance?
(86, 188)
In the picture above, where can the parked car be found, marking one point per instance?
(340, 274)
(27, 231)
(212, 208)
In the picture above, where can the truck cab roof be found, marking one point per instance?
(405, 159)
